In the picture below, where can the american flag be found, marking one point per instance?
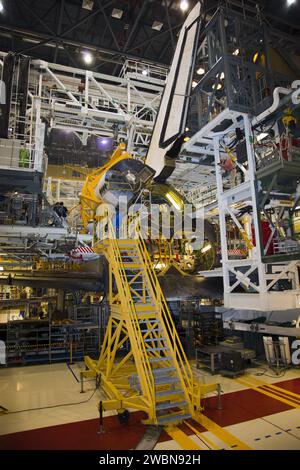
(83, 249)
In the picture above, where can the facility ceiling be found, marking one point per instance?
(60, 30)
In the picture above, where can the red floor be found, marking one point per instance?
(238, 407)
(81, 435)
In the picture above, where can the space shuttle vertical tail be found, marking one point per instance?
(171, 118)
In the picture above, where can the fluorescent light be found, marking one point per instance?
(116, 13)
(88, 57)
(170, 198)
(184, 4)
(1, 7)
(261, 136)
(206, 248)
(157, 25)
(200, 71)
(290, 2)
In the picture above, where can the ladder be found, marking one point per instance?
(154, 375)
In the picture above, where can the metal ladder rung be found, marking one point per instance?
(152, 330)
(165, 393)
(148, 321)
(170, 404)
(159, 359)
(149, 340)
(166, 380)
(163, 370)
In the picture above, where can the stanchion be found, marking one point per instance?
(71, 352)
(219, 405)
(101, 428)
(81, 382)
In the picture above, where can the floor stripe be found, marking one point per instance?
(248, 382)
(225, 436)
(287, 393)
(182, 439)
(206, 441)
(73, 373)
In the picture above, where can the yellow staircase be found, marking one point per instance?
(154, 376)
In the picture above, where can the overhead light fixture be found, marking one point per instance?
(184, 4)
(194, 84)
(200, 71)
(116, 13)
(87, 57)
(262, 136)
(1, 7)
(236, 52)
(157, 25)
(222, 76)
(1, 268)
(290, 2)
(206, 248)
(145, 72)
(217, 87)
(87, 4)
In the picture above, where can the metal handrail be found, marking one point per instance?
(176, 347)
(148, 385)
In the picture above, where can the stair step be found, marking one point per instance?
(141, 304)
(148, 321)
(130, 266)
(166, 393)
(157, 349)
(170, 404)
(149, 340)
(128, 249)
(152, 330)
(166, 380)
(159, 359)
(163, 370)
(173, 418)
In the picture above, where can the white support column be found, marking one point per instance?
(255, 209)
(222, 221)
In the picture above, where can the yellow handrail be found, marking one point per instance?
(142, 361)
(167, 322)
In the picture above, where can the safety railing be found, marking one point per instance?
(138, 345)
(176, 348)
